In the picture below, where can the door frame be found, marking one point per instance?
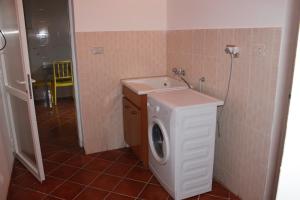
(74, 65)
(75, 73)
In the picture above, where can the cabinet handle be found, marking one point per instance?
(133, 112)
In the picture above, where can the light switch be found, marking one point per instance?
(97, 50)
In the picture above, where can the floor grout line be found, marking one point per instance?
(97, 175)
(144, 187)
(100, 174)
(123, 178)
(65, 180)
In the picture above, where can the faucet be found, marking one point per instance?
(181, 73)
(178, 72)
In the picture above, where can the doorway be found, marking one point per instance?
(52, 66)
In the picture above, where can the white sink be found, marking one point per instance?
(151, 84)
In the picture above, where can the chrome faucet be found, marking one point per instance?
(181, 73)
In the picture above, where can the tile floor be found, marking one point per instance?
(57, 126)
(70, 174)
(110, 175)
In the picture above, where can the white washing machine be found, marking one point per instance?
(181, 140)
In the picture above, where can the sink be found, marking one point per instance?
(150, 84)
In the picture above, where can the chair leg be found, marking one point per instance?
(55, 97)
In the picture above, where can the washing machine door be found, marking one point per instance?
(158, 141)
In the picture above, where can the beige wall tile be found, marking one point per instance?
(242, 150)
(126, 55)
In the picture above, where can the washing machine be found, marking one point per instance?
(181, 134)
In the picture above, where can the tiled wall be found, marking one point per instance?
(127, 54)
(48, 40)
(242, 149)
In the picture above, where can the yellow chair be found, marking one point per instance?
(62, 77)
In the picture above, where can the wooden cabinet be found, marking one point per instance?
(136, 123)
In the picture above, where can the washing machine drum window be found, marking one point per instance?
(159, 143)
(158, 140)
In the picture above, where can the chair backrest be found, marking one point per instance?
(62, 70)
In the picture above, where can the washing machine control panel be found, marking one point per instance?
(152, 107)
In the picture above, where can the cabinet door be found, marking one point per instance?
(132, 126)
(126, 121)
(135, 129)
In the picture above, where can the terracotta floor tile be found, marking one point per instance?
(48, 185)
(218, 190)
(49, 166)
(210, 197)
(139, 174)
(113, 196)
(140, 164)
(18, 172)
(233, 196)
(118, 169)
(129, 188)
(84, 177)
(154, 192)
(91, 194)
(154, 181)
(106, 182)
(22, 194)
(48, 154)
(64, 172)
(128, 159)
(95, 154)
(18, 164)
(57, 126)
(193, 198)
(25, 180)
(126, 150)
(51, 198)
(98, 165)
(110, 155)
(59, 143)
(60, 157)
(68, 190)
(79, 160)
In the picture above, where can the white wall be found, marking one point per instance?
(7, 22)
(284, 84)
(193, 14)
(6, 156)
(116, 15)
(288, 187)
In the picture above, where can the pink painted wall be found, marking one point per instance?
(193, 14)
(115, 15)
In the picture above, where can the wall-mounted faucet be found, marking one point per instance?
(181, 73)
(178, 71)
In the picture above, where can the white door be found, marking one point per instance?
(18, 87)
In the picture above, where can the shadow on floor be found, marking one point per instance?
(70, 174)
